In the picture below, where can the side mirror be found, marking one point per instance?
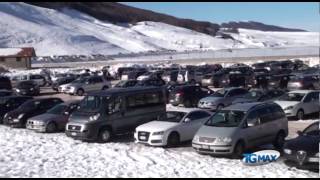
(300, 133)
(253, 122)
(187, 120)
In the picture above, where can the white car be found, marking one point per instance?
(299, 103)
(178, 126)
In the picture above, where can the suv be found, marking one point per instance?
(188, 95)
(11, 103)
(233, 129)
(87, 84)
(61, 81)
(27, 88)
(18, 117)
(115, 111)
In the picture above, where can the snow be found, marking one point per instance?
(70, 32)
(9, 51)
(25, 153)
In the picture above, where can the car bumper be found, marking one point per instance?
(85, 133)
(290, 113)
(213, 149)
(310, 163)
(158, 140)
(37, 128)
(14, 123)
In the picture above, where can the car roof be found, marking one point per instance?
(303, 91)
(71, 102)
(245, 106)
(111, 91)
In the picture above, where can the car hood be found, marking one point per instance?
(17, 112)
(211, 99)
(285, 104)
(306, 143)
(155, 126)
(210, 131)
(46, 117)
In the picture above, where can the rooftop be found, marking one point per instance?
(17, 52)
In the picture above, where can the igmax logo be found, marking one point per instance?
(260, 157)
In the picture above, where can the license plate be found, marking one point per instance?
(143, 137)
(73, 134)
(205, 147)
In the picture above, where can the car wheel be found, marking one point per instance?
(300, 114)
(279, 141)
(51, 127)
(105, 135)
(173, 140)
(187, 103)
(80, 92)
(238, 150)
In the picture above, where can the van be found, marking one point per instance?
(232, 130)
(103, 114)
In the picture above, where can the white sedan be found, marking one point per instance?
(178, 126)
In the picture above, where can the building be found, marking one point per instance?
(19, 58)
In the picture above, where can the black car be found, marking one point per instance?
(5, 83)
(260, 78)
(303, 151)
(188, 95)
(55, 85)
(27, 88)
(151, 82)
(18, 117)
(259, 95)
(11, 103)
(4, 93)
(126, 83)
(304, 81)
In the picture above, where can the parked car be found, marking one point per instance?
(232, 130)
(241, 79)
(262, 65)
(300, 103)
(152, 74)
(259, 95)
(104, 114)
(151, 82)
(4, 93)
(126, 83)
(304, 81)
(189, 75)
(5, 83)
(27, 88)
(81, 86)
(54, 120)
(261, 78)
(188, 95)
(170, 76)
(218, 80)
(61, 81)
(18, 117)
(133, 74)
(221, 98)
(278, 81)
(39, 79)
(303, 151)
(177, 126)
(11, 103)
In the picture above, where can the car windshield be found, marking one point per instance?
(90, 104)
(219, 93)
(31, 104)
(226, 118)
(174, 116)
(59, 109)
(292, 97)
(120, 84)
(253, 95)
(81, 80)
(26, 84)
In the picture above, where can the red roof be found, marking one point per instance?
(25, 52)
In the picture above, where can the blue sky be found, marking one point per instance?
(304, 15)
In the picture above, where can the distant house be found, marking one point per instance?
(19, 58)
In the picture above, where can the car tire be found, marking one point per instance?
(173, 139)
(238, 150)
(104, 135)
(80, 92)
(51, 127)
(279, 141)
(300, 114)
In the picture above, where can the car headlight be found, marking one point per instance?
(287, 151)
(31, 89)
(21, 116)
(195, 139)
(38, 123)
(5, 116)
(288, 108)
(94, 117)
(224, 140)
(18, 90)
(158, 133)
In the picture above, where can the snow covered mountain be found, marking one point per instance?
(70, 32)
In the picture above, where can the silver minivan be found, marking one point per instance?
(238, 127)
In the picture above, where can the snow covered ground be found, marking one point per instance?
(70, 32)
(28, 154)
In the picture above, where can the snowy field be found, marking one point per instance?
(26, 153)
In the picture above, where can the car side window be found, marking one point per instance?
(197, 115)
(312, 129)
(114, 105)
(252, 117)
(308, 98)
(265, 115)
(315, 97)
